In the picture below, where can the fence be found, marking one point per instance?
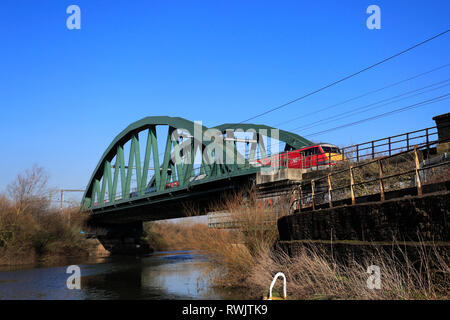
(312, 158)
(391, 145)
(258, 220)
(372, 177)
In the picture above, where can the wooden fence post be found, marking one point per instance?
(351, 185)
(419, 184)
(312, 194)
(380, 176)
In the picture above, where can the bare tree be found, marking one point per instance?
(29, 190)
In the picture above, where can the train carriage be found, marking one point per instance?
(312, 156)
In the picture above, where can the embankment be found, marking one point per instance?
(412, 223)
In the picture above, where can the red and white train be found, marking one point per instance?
(308, 157)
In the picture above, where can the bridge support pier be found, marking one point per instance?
(124, 239)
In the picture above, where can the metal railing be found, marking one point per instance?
(390, 145)
(228, 220)
(371, 177)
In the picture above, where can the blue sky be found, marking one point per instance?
(65, 94)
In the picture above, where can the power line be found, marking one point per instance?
(353, 75)
(347, 77)
(363, 95)
(405, 95)
(416, 105)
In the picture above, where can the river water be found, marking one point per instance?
(162, 275)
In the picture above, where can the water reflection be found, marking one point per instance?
(182, 275)
(164, 275)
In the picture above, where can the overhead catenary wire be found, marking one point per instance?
(346, 77)
(416, 105)
(354, 74)
(371, 106)
(363, 95)
(359, 96)
(422, 103)
(355, 111)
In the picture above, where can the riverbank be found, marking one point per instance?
(32, 230)
(248, 257)
(62, 255)
(249, 266)
(35, 233)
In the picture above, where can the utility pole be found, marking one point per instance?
(67, 190)
(62, 200)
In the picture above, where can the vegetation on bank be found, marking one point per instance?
(31, 230)
(245, 258)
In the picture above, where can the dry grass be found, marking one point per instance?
(234, 252)
(245, 257)
(435, 175)
(368, 169)
(313, 275)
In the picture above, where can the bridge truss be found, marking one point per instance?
(191, 155)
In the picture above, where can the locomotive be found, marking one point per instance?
(322, 154)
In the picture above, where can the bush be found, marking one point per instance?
(30, 229)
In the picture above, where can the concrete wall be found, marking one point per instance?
(408, 219)
(279, 175)
(125, 239)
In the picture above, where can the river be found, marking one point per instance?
(161, 275)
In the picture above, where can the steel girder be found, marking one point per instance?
(293, 141)
(103, 186)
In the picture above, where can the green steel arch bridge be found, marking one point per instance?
(158, 165)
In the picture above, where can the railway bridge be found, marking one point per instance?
(197, 166)
(200, 165)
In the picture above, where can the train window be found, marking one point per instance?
(315, 150)
(331, 149)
